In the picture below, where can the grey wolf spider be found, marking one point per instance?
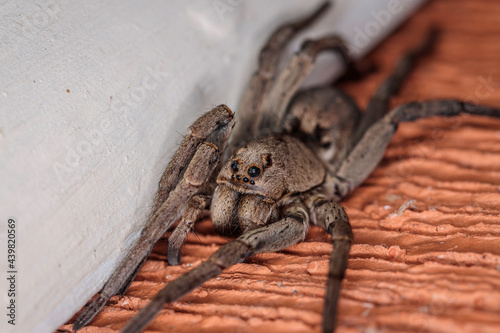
(293, 156)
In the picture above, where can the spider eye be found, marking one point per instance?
(235, 166)
(254, 172)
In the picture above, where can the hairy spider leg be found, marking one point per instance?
(331, 216)
(269, 238)
(192, 213)
(204, 145)
(250, 107)
(290, 78)
(379, 102)
(370, 149)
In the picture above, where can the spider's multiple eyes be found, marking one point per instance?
(252, 172)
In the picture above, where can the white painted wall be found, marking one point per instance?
(94, 97)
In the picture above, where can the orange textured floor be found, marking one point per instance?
(432, 267)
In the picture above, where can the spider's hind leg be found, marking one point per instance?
(379, 103)
(370, 149)
(357, 159)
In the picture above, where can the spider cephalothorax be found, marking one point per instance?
(289, 162)
(264, 168)
(259, 179)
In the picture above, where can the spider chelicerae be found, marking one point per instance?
(289, 160)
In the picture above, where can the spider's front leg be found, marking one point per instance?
(269, 238)
(250, 108)
(288, 81)
(190, 168)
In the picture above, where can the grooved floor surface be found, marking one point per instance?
(426, 256)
